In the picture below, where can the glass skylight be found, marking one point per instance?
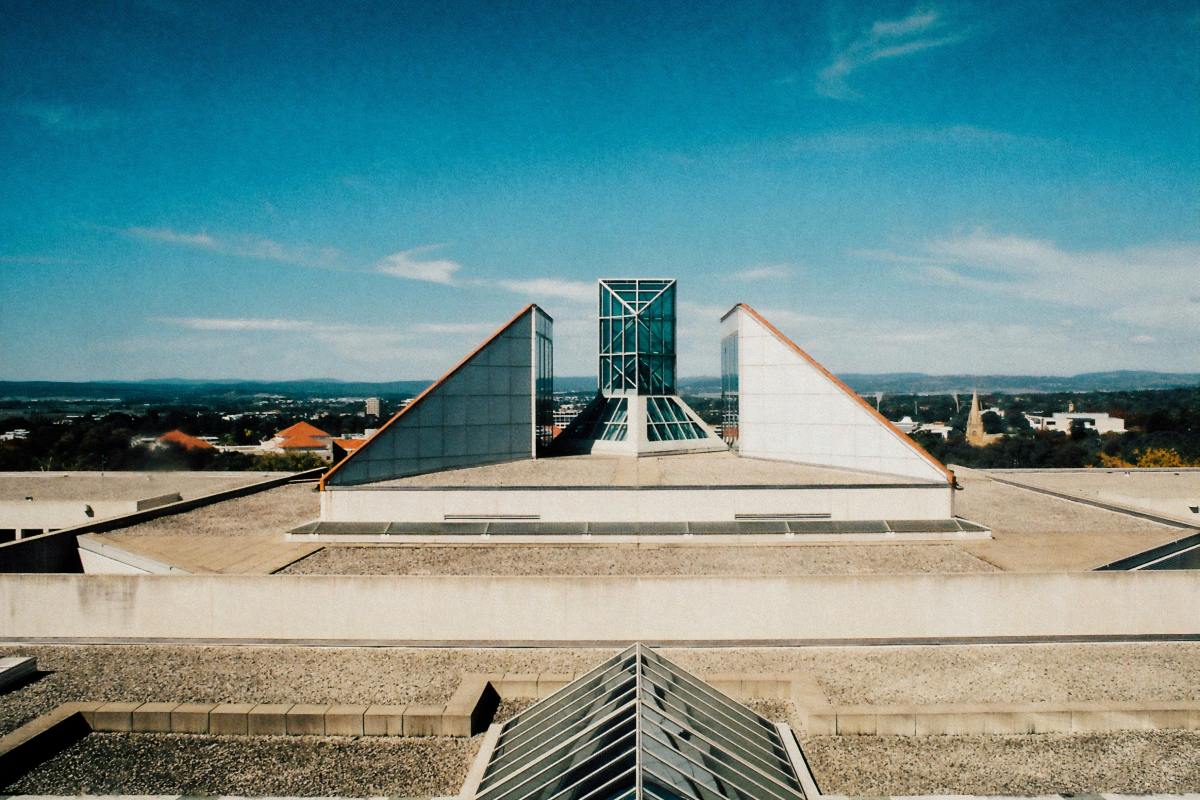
(635, 727)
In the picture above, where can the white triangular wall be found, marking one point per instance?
(481, 412)
(792, 409)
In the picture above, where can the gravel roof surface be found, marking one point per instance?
(1007, 509)
(1134, 762)
(254, 766)
(121, 485)
(1034, 532)
(881, 675)
(756, 560)
(696, 469)
(269, 513)
(1154, 485)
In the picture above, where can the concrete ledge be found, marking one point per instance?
(153, 717)
(191, 717)
(593, 611)
(423, 720)
(1004, 718)
(306, 719)
(230, 719)
(342, 720)
(42, 738)
(268, 719)
(384, 721)
(114, 717)
(14, 668)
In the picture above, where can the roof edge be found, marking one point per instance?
(880, 417)
(526, 310)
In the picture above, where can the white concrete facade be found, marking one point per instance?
(792, 409)
(494, 611)
(1100, 422)
(481, 412)
(923, 501)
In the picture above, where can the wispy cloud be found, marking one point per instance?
(71, 118)
(878, 137)
(762, 273)
(923, 29)
(1147, 286)
(435, 345)
(37, 260)
(172, 237)
(579, 291)
(403, 265)
(243, 324)
(240, 245)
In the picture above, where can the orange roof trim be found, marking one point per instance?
(880, 417)
(190, 442)
(526, 310)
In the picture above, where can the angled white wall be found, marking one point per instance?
(790, 408)
(481, 412)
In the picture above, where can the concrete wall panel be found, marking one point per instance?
(598, 609)
(791, 409)
(479, 413)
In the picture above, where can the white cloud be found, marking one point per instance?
(402, 265)
(923, 29)
(172, 237)
(579, 291)
(240, 245)
(242, 324)
(761, 273)
(454, 327)
(1148, 286)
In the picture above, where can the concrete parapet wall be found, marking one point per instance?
(552, 611)
(630, 504)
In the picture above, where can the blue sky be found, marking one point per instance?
(365, 191)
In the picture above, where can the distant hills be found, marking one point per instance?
(1120, 381)
(181, 390)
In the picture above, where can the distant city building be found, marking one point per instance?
(1098, 422)
(935, 428)
(301, 438)
(905, 425)
(374, 407)
(181, 438)
(17, 433)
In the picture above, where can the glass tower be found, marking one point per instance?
(637, 337)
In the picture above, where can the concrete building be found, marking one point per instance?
(636, 411)
(1099, 422)
(301, 438)
(494, 406)
(471, 450)
(183, 440)
(374, 407)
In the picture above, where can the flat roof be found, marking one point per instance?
(692, 469)
(121, 485)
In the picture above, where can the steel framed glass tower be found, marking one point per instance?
(637, 337)
(637, 410)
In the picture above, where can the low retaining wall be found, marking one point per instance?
(599, 611)
(58, 551)
(632, 504)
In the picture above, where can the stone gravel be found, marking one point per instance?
(1131, 762)
(254, 766)
(617, 560)
(850, 675)
(268, 513)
